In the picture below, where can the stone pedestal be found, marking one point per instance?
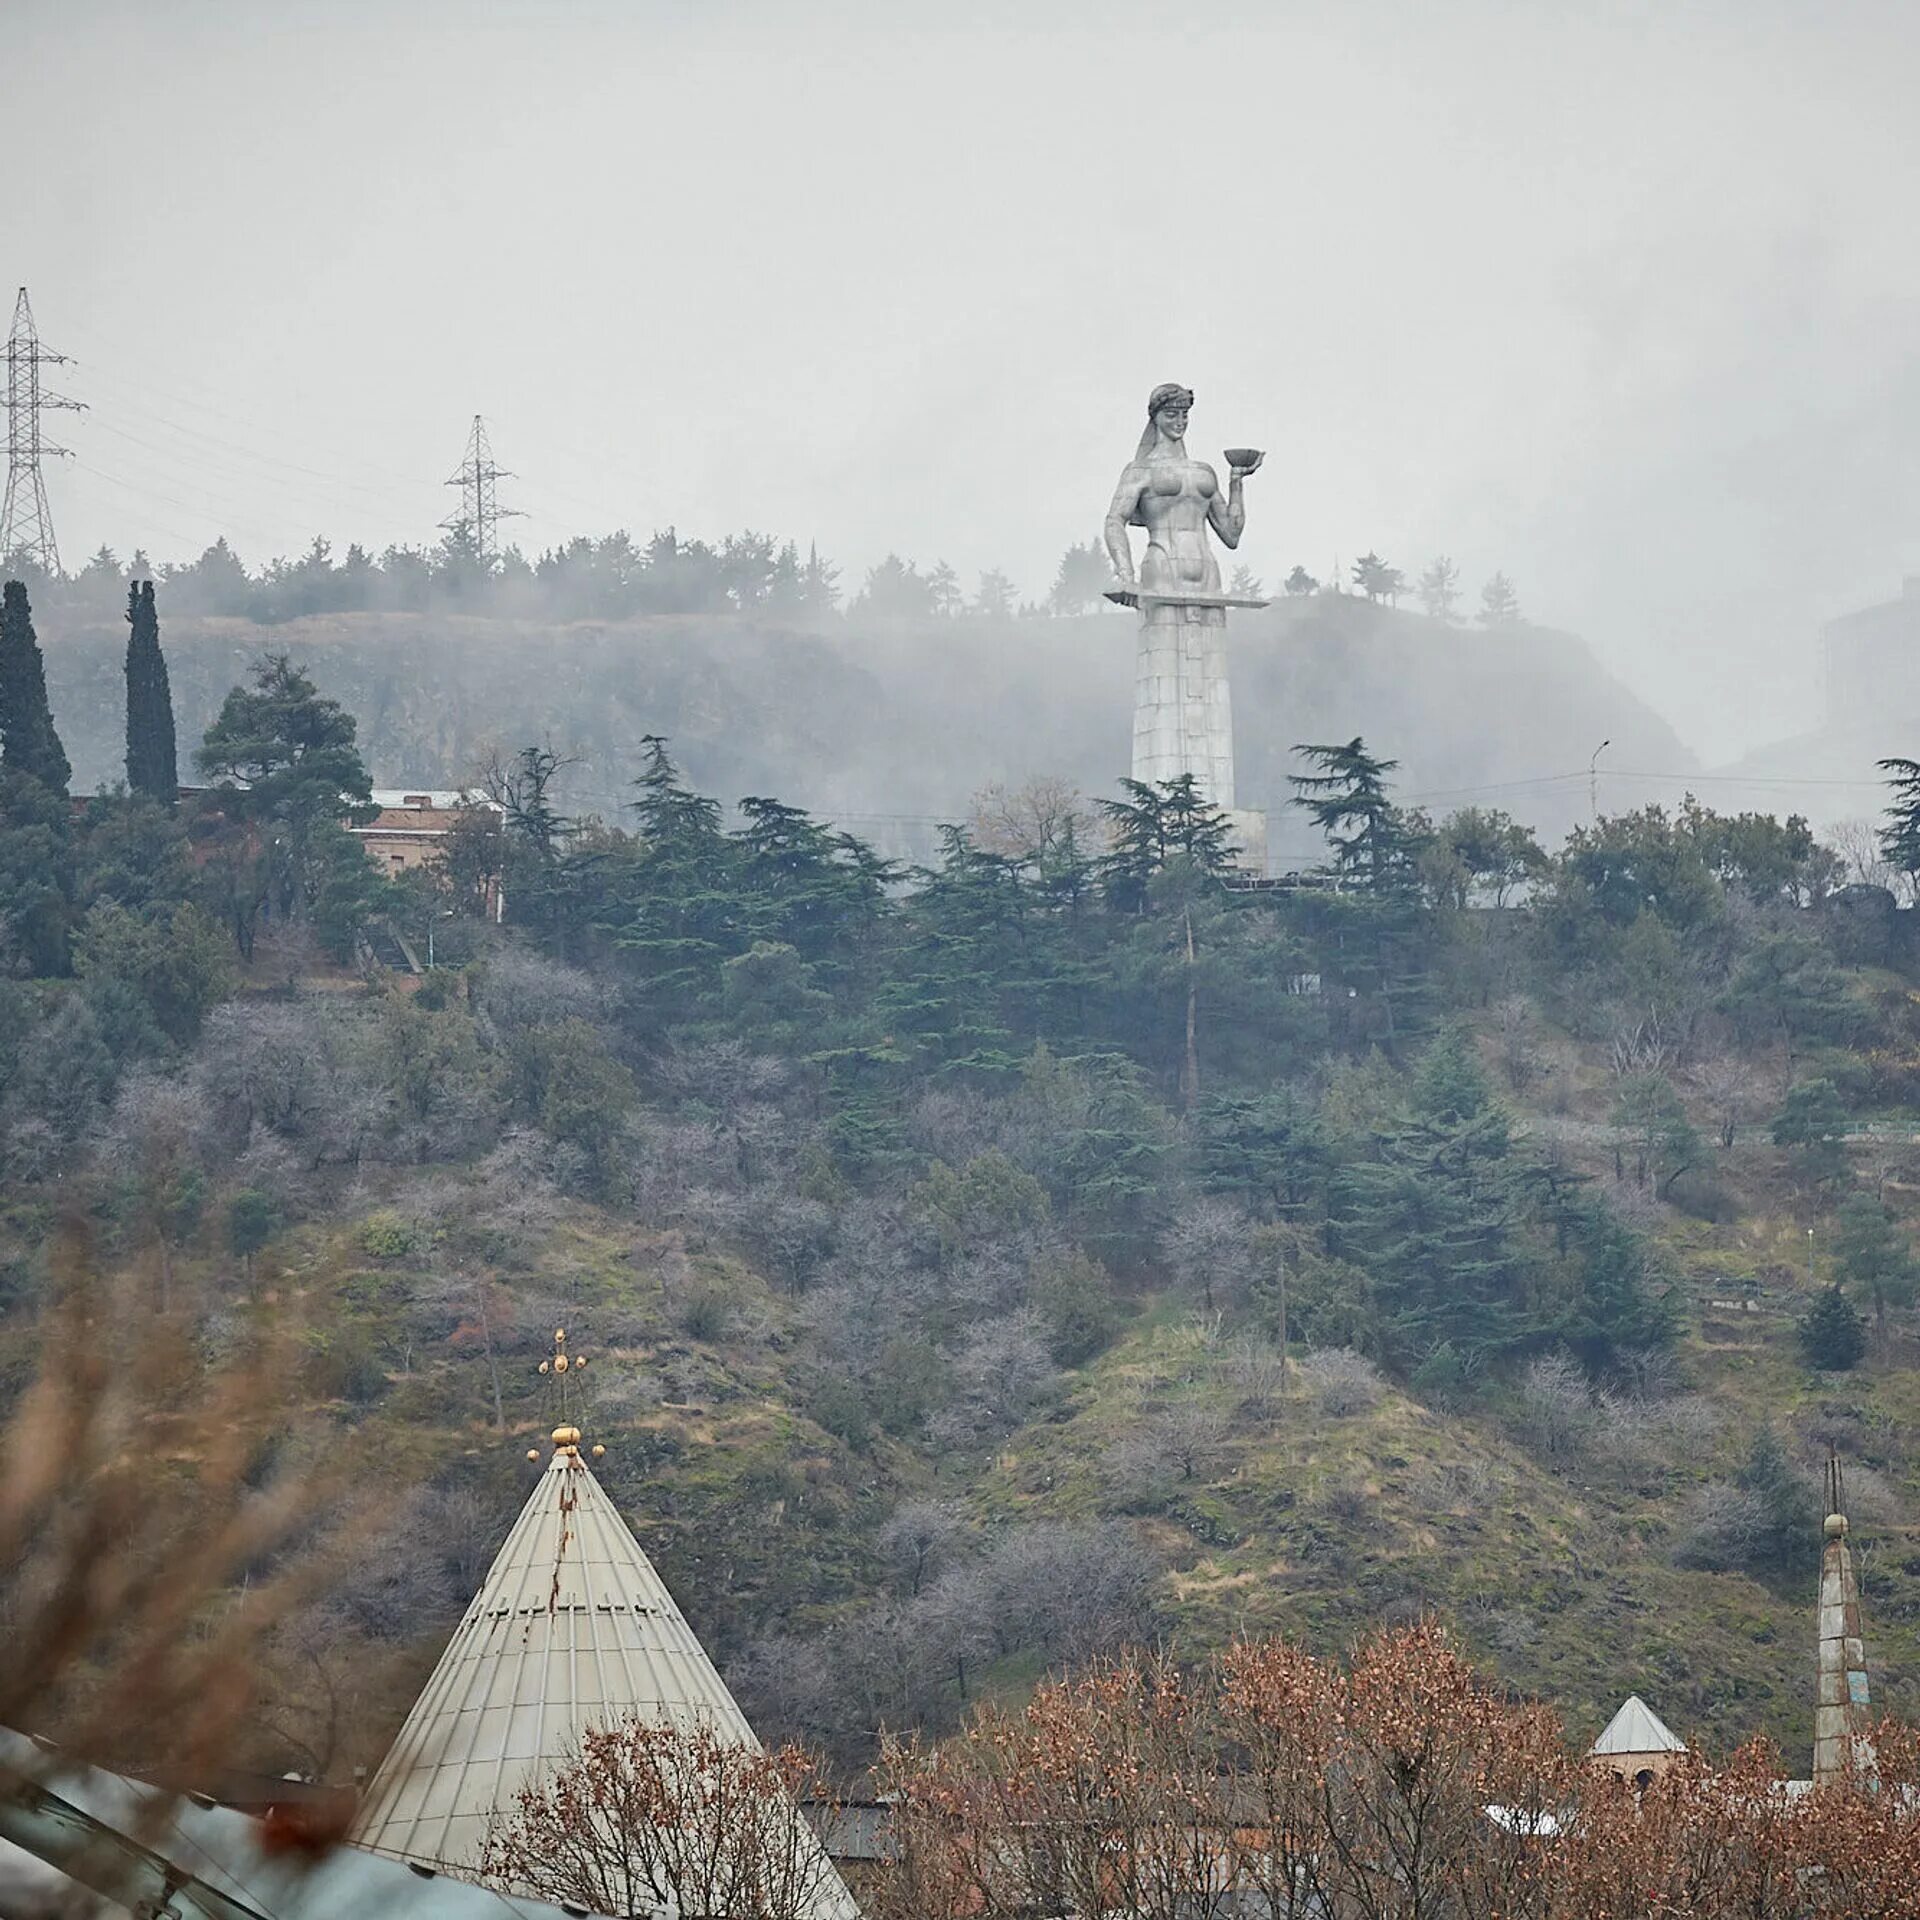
(1249, 840)
(1183, 706)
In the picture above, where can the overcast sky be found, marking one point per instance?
(1622, 299)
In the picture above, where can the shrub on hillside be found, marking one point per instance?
(1648, 1435)
(1073, 1294)
(1177, 1447)
(705, 1311)
(1257, 1370)
(1441, 1378)
(1760, 1522)
(1557, 1406)
(1721, 1528)
(1340, 1381)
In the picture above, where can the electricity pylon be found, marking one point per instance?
(26, 521)
(480, 509)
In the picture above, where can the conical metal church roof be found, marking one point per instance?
(571, 1628)
(1636, 1728)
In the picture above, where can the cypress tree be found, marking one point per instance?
(28, 742)
(152, 760)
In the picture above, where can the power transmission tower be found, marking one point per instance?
(26, 521)
(478, 520)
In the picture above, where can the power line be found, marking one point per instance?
(103, 369)
(26, 520)
(238, 460)
(480, 510)
(144, 492)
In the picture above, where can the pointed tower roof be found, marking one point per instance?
(1841, 1703)
(571, 1628)
(1636, 1728)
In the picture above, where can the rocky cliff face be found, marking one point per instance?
(891, 728)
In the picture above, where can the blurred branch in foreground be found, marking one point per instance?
(160, 1514)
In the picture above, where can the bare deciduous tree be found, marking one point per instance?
(1857, 842)
(1518, 1028)
(1406, 1787)
(1734, 1090)
(154, 1141)
(1209, 1247)
(919, 1539)
(1341, 1381)
(647, 1818)
(1257, 1369)
(1034, 820)
(1175, 1445)
(1002, 1375)
(1557, 1404)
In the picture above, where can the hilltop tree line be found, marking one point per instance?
(616, 577)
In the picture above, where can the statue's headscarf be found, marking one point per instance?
(1162, 395)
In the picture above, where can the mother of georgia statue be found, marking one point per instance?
(1183, 715)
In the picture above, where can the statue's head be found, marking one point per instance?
(1167, 408)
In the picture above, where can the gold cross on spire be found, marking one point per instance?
(560, 1366)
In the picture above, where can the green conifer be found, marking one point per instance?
(28, 742)
(1873, 1254)
(1832, 1335)
(152, 759)
(678, 921)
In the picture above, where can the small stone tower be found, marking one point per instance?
(1840, 1710)
(1637, 1745)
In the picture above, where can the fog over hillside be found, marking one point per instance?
(889, 727)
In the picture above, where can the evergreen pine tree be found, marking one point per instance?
(1372, 929)
(963, 960)
(1625, 1300)
(1833, 1336)
(152, 760)
(680, 918)
(1812, 1126)
(28, 742)
(1347, 799)
(1267, 1150)
(805, 886)
(1873, 1254)
(1435, 1219)
(1155, 824)
(288, 773)
(1194, 826)
(1786, 1502)
(1900, 837)
(1065, 876)
(1137, 832)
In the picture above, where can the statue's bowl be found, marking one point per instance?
(1242, 457)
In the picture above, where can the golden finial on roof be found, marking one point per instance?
(557, 1366)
